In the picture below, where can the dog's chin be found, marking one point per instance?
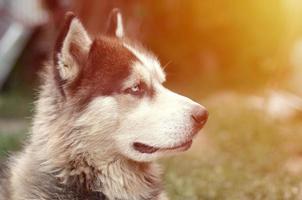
(147, 149)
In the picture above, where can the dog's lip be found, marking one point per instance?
(143, 148)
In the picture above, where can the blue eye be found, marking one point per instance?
(136, 89)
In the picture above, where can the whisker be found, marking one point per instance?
(166, 65)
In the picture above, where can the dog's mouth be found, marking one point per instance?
(143, 148)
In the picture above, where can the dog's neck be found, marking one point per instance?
(113, 175)
(118, 178)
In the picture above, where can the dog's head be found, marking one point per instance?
(115, 88)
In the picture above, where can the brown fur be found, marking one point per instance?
(103, 74)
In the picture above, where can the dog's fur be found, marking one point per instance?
(102, 117)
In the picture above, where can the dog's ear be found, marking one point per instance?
(115, 25)
(71, 49)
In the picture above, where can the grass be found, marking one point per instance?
(10, 142)
(15, 105)
(240, 155)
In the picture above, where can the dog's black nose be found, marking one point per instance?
(200, 116)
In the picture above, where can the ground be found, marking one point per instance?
(242, 153)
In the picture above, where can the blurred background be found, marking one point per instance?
(241, 59)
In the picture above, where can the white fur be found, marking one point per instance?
(119, 29)
(149, 61)
(163, 122)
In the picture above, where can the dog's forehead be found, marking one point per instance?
(123, 55)
(118, 53)
(108, 65)
(147, 59)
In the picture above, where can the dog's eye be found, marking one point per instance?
(136, 89)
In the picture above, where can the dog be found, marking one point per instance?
(101, 119)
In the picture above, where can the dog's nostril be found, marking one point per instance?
(200, 116)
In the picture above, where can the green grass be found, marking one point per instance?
(241, 156)
(10, 142)
(15, 105)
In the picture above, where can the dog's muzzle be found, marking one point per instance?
(199, 117)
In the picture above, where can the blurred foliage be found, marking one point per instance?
(10, 142)
(15, 104)
(208, 44)
(226, 43)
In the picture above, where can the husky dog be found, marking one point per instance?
(101, 118)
